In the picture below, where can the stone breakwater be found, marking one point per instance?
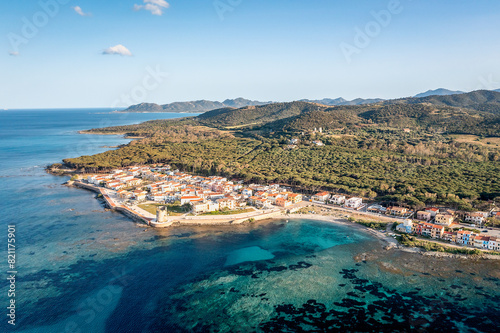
(110, 204)
(214, 221)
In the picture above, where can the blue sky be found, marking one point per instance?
(266, 50)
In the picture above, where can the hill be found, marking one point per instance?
(144, 107)
(480, 100)
(417, 117)
(438, 92)
(193, 106)
(201, 106)
(475, 113)
(256, 115)
(341, 101)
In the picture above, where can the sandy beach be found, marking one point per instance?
(341, 220)
(383, 236)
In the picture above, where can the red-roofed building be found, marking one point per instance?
(189, 199)
(424, 216)
(295, 198)
(282, 202)
(428, 229)
(227, 203)
(465, 237)
(450, 236)
(321, 197)
(432, 210)
(481, 242)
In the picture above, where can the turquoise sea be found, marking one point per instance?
(82, 268)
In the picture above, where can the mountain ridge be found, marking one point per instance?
(198, 106)
(479, 110)
(439, 97)
(479, 100)
(438, 92)
(342, 101)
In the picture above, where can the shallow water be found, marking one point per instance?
(356, 286)
(84, 269)
(253, 253)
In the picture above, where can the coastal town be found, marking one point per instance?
(161, 197)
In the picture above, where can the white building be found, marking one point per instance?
(494, 244)
(476, 218)
(337, 199)
(354, 202)
(405, 227)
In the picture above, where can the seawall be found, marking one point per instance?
(110, 204)
(214, 221)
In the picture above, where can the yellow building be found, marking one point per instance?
(444, 219)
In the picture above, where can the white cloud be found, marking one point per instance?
(117, 49)
(80, 12)
(13, 53)
(156, 7)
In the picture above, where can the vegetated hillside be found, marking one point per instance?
(256, 114)
(435, 119)
(395, 166)
(438, 92)
(413, 116)
(481, 100)
(193, 106)
(327, 119)
(302, 116)
(146, 129)
(242, 102)
(361, 101)
(144, 107)
(341, 101)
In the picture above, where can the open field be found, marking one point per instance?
(173, 210)
(474, 139)
(239, 126)
(229, 212)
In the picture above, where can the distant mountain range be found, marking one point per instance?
(477, 113)
(341, 101)
(480, 100)
(193, 106)
(202, 106)
(438, 92)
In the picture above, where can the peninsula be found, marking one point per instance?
(399, 158)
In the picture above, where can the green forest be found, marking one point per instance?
(402, 153)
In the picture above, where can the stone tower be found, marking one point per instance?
(161, 214)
